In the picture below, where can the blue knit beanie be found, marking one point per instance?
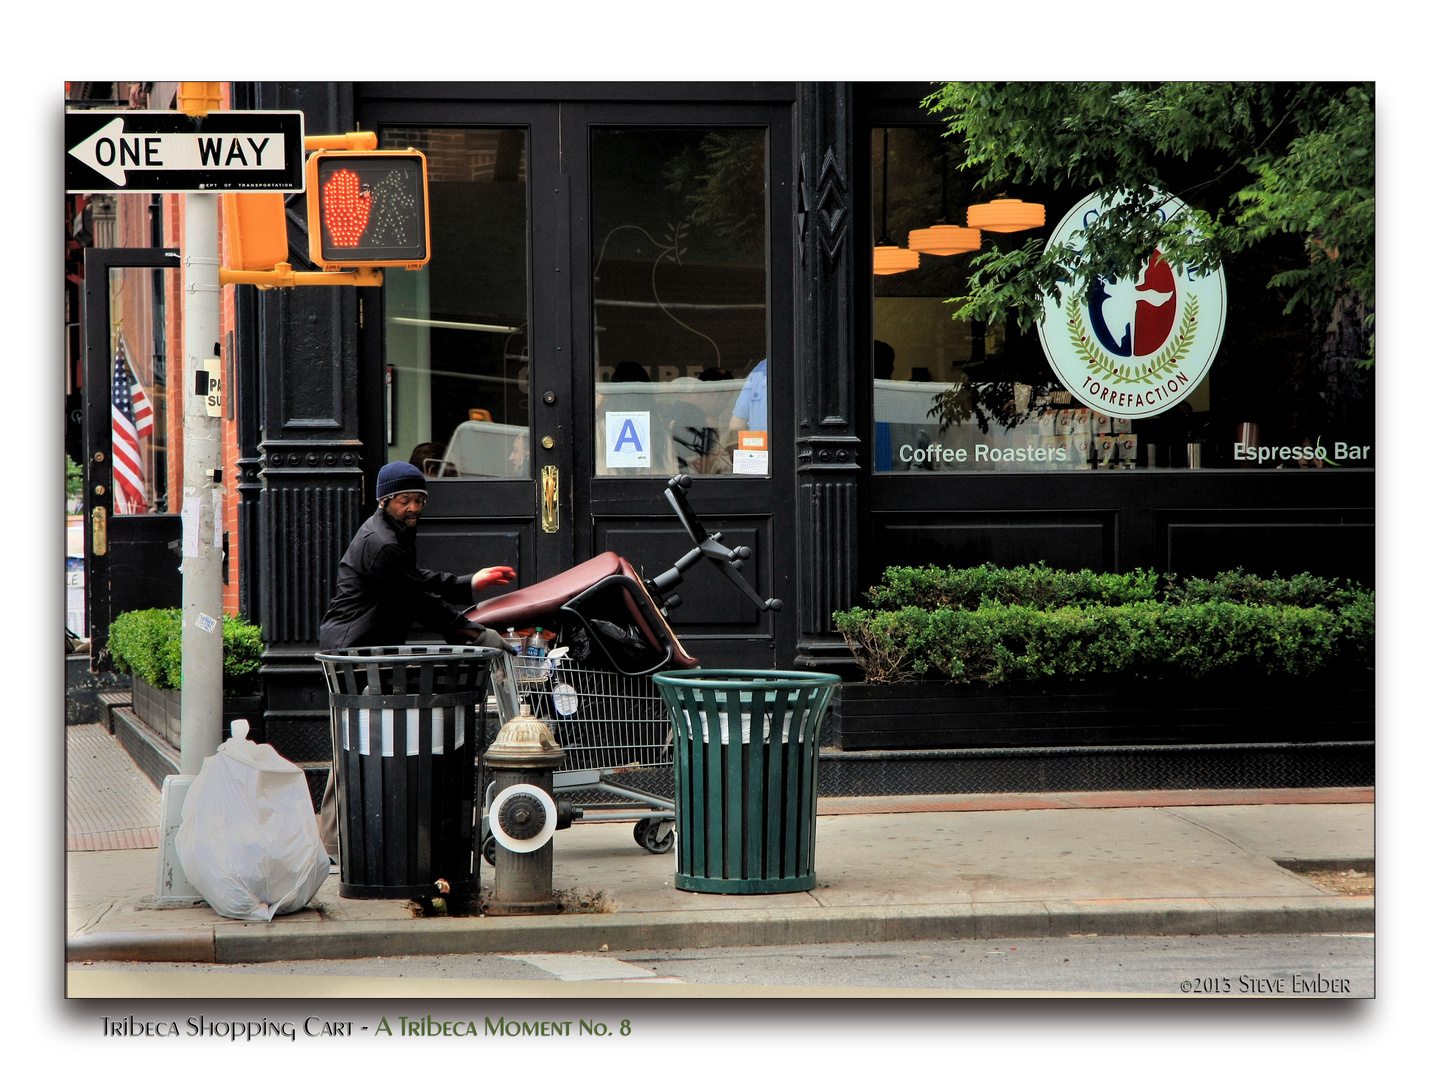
(396, 477)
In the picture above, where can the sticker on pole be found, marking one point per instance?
(1133, 347)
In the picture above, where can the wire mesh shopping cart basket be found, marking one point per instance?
(619, 747)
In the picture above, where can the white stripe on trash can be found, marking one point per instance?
(412, 732)
(580, 967)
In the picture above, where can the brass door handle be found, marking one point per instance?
(550, 498)
(98, 540)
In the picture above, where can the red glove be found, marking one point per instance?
(491, 575)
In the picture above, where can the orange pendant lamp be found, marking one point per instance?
(942, 238)
(1006, 215)
(888, 258)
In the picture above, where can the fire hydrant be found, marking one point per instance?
(524, 816)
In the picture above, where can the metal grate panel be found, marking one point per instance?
(1097, 768)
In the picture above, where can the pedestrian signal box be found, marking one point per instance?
(368, 208)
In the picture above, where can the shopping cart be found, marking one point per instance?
(603, 707)
(610, 726)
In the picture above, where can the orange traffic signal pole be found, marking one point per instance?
(283, 276)
(351, 140)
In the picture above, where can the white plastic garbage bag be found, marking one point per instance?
(248, 840)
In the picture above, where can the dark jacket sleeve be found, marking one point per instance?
(435, 599)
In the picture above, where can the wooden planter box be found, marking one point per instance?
(160, 711)
(1113, 711)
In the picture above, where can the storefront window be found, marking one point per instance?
(456, 341)
(1282, 391)
(678, 227)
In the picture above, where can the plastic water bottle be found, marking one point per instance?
(532, 657)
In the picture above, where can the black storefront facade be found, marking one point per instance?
(578, 201)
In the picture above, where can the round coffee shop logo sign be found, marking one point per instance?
(1132, 347)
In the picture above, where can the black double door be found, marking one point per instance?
(605, 282)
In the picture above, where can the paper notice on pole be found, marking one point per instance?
(218, 505)
(206, 622)
(627, 440)
(190, 527)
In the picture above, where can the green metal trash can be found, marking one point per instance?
(747, 761)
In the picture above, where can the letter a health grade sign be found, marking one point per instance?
(1128, 347)
(171, 152)
(627, 440)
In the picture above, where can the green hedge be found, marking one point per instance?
(989, 625)
(147, 643)
(935, 587)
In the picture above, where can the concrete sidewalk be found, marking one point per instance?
(889, 868)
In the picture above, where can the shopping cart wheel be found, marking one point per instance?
(487, 849)
(655, 835)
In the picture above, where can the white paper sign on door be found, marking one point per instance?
(627, 440)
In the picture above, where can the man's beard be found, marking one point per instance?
(404, 521)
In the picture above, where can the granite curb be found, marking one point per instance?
(253, 943)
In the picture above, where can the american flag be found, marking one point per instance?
(144, 414)
(128, 465)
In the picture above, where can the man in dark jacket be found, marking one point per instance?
(380, 593)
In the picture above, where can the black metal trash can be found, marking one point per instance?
(747, 761)
(407, 738)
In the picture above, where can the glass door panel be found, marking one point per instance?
(457, 343)
(462, 357)
(679, 318)
(139, 443)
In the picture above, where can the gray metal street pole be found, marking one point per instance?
(201, 639)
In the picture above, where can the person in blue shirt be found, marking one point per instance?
(752, 407)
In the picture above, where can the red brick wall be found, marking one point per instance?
(231, 439)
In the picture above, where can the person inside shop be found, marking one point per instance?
(519, 459)
(380, 593)
(884, 360)
(752, 407)
(428, 457)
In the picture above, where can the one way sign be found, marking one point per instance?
(171, 152)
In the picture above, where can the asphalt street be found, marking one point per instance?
(1250, 966)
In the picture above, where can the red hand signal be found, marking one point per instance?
(347, 208)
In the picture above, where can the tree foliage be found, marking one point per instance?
(74, 479)
(723, 184)
(1252, 160)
